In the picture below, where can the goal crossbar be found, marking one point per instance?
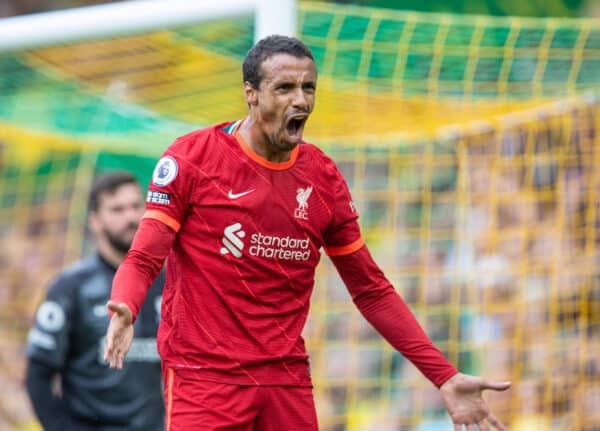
(134, 16)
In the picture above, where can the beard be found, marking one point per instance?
(120, 241)
(281, 146)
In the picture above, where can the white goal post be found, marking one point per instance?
(115, 19)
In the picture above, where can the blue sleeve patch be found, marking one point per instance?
(165, 171)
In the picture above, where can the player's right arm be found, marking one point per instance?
(141, 266)
(166, 207)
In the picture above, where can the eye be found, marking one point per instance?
(309, 87)
(286, 86)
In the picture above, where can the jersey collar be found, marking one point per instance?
(234, 130)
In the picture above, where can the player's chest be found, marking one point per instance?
(271, 201)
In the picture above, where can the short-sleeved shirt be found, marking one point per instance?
(241, 271)
(68, 336)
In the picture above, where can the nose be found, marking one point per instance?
(300, 101)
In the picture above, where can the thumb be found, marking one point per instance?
(121, 309)
(496, 386)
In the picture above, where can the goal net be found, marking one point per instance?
(470, 145)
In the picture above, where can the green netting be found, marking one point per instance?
(414, 50)
(147, 89)
(464, 215)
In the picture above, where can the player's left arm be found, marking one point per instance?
(379, 303)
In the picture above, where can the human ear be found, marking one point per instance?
(93, 222)
(251, 94)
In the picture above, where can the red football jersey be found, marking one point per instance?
(241, 270)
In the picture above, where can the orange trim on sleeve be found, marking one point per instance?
(345, 249)
(164, 218)
(169, 397)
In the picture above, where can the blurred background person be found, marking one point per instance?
(69, 386)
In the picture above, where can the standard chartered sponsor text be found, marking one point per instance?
(277, 247)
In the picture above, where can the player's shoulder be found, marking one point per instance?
(318, 159)
(315, 153)
(197, 143)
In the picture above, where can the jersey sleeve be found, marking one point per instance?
(169, 190)
(379, 303)
(48, 339)
(343, 233)
(142, 264)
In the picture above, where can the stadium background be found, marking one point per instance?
(469, 141)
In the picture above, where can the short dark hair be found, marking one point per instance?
(268, 47)
(108, 183)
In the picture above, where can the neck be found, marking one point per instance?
(109, 254)
(260, 143)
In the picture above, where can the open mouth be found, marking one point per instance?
(295, 125)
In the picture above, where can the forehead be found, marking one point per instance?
(124, 194)
(288, 67)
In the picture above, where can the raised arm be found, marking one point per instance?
(379, 303)
(143, 262)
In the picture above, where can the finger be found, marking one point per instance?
(107, 350)
(112, 357)
(496, 386)
(111, 361)
(109, 343)
(470, 427)
(483, 426)
(457, 427)
(494, 421)
(120, 358)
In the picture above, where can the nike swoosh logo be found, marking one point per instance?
(238, 195)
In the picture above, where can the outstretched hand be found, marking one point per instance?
(119, 335)
(462, 396)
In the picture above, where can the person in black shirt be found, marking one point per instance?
(66, 343)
